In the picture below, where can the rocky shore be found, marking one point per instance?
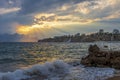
(99, 58)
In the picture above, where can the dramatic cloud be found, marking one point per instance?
(46, 18)
(32, 6)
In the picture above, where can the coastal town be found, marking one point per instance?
(101, 35)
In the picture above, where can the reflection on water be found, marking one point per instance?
(14, 56)
(17, 55)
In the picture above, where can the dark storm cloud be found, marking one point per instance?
(31, 6)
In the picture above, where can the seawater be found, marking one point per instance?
(18, 58)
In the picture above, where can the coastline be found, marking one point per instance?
(52, 69)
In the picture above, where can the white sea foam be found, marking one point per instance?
(17, 75)
(58, 70)
(48, 69)
(90, 73)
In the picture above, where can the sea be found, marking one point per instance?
(57, 61)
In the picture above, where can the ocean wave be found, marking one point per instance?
(58, 70)
(8, 60)
(46, 70)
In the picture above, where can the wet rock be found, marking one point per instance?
(93, 48)
(98, 58)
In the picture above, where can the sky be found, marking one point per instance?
(30, 20)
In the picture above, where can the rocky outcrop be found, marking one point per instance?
(98, 58)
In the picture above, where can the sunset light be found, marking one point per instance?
(38, 19)
(24, 29)
(59, 39)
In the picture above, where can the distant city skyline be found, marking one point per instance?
(100, 35)
(29, 20)
(16, 37)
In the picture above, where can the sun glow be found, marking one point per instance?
(46, 26)
(49, 21)
(24, 29)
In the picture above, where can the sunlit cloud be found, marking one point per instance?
(23, 29)
(83, 7)
(64, 7)
(56, 20)
(40, 19)
(112, 16)
(90, 6)
(28, 30)
(35, 32)
(8, 10)
(84, 13)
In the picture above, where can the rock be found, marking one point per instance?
(93, 48)
(98, 58)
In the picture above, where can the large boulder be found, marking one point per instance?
(98, 58)
(93, 48)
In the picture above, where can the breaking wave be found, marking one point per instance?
(58, 70)
(42, 71)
